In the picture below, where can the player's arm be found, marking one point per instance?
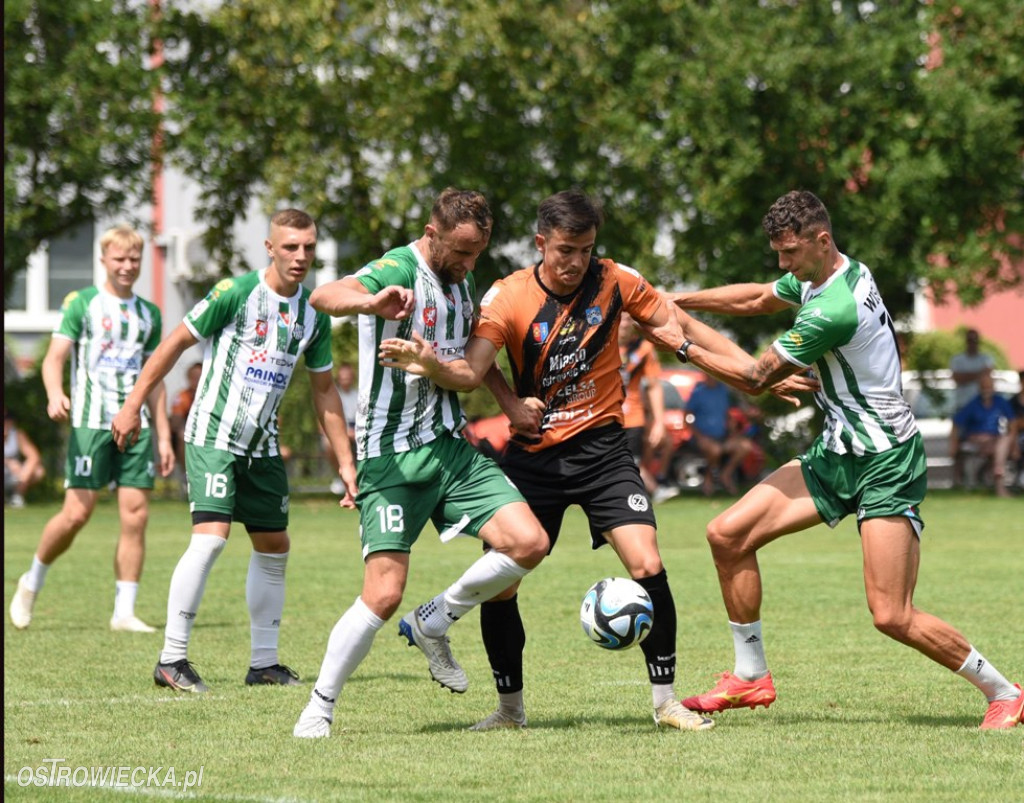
(348, 296)
(656, 401)
(661, 327)
(157, 401)
(732, 299)
(58, 405)
(418, 357)
(747, 374)
(127, 423)
(331, 415)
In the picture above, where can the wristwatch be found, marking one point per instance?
(682, 352)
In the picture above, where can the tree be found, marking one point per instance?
(78, 118)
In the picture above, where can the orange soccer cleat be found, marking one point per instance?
(1004, 714)
(733, 692)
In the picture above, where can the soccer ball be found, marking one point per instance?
(616, 613)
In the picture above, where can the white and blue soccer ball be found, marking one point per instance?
(616, 613)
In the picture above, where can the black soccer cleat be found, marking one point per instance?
(276, 675)
(180, 676)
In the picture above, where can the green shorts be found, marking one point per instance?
(253, 491)
(446, 481)
(94, 461)
(891, 483)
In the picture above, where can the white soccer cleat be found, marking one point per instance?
(673, 715)
(443, 666)
(130, 624)
(22, 604)
(312, 725)
(499, 720)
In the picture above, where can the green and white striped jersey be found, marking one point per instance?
(399, 411)
(253, 341)
(845, 331)
(112, 338)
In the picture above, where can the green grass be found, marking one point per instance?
(858, 716)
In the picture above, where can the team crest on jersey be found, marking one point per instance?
(107, 323)
(261, 328)
(594, 316)
(298, 331)
(540, 332)
(467, 309)
(285, 317)
(430, 316)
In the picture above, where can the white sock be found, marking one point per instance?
(35, 577)
(186, 592)
(512, 703)
(985, 676)
(490, 574)
(662, 693)
(125, 593)
(749, 647)
(264, 592)
(348, 645)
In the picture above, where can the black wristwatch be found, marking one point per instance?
(682, 352)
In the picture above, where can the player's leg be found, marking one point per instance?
(58, 534)
(212, 488)
(891, 559)
(384, 578)
(261, 504)
(133, 507)
(779, 504)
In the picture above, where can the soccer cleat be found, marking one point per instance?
(276, 675)
(443, 666)
(312, 725)
(500, 719)
(1004, 714)
(130, 624)
(21, 605)
(180, 676)
(673, 715)
(732, 692)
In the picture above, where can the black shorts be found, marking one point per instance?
(594, 470)
(635, 442)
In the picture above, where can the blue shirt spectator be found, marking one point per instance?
(709, 405)
(984, 416)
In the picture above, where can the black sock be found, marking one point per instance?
(660, 645)
(504, 639)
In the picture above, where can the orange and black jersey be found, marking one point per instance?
(564, 349)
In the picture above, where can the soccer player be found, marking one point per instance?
(559, 323)
(108, 331)
(869, 461)
(413, 464)
(254, 328)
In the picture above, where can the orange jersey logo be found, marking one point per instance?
(565, 350)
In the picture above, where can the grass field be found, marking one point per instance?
(859, 717)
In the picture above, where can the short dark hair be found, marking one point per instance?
(796, 211)
(571, 211)
(292, 219)
(454, 207)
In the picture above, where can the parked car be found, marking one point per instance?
(931, 397)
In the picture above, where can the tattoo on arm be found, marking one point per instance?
(771, 368)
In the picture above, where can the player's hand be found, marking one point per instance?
(797, 383)
(165, 450)
(526, 417)
(415, 356)
(394, 303)
(347, 472)
(125, 428)
(58, 408)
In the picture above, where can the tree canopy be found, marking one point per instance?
(686, 118)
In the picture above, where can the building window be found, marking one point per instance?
(70, 263)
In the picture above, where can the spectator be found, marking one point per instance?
(1017, 428)
(345, 380)
(643, 408)
(983, 427)
(23, 466)
(967, 368)
(716, 434)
